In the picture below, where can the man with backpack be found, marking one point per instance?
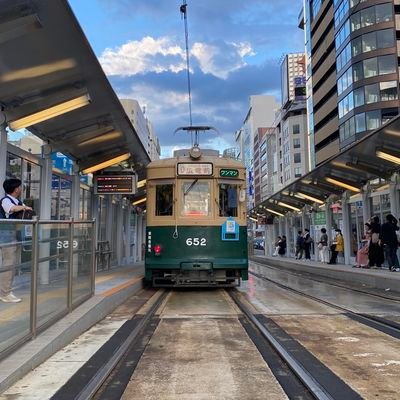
(10, 208)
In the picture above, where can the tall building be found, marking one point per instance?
(260, 115)
(352, 70)
(143, 127)
(293, 78)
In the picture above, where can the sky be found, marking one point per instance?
(235, 49)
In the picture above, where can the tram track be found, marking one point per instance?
(381, 324)
(88, 382)
(319, 381)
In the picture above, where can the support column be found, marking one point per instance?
(3, 157)
(394, 195)
(75, 192)
(46, 174)
(346, 226)
(120, 231)
(328, 215)
(366, 203)
(288, 235)
(139, 241)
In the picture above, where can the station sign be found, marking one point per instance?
(229, 173)
(114, 184)
(193, 169)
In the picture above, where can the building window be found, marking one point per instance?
(385, 38)
(296, 129)
(387, 64)
(297, 172)
(369, 42)
(164, 200)
(367, 17)
(372, 93)
(373, 119)
(360, 122)
(297, 157)
(384, 12)
(296, 143)
(370, 67)
(359, 97)
(388, 90)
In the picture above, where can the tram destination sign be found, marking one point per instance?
(114, 184)
(193, 169)
(229, 173)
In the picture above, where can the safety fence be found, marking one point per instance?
(47, 268)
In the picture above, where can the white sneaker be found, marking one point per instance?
(10, 298)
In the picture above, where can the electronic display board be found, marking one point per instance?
(114, 184)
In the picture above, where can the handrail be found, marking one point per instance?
(44, 259)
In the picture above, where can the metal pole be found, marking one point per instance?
(93, 270)
(70, 263)
(34, 276)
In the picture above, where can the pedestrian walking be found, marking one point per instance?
(337, 246)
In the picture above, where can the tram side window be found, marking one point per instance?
(164, 200)
(228, 200)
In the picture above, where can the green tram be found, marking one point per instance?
(196, 232)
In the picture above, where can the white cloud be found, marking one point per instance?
(146, 55)
(163, 55)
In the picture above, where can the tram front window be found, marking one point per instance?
(195, 198)
(228, 200)
(164, 200)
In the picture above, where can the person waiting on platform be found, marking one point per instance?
(337, 247)
(307, 243)
(277, 241)
(10, 206)
(299, 245)
(323, 247)
(389, 241)
(375, 252)
(362, 260)
(282, 246)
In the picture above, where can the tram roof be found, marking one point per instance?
(47, 60)
(356, 165)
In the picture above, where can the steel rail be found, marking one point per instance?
(361, 317)
(102, 374)
(306, 378)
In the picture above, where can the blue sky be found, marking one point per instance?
(235, 49)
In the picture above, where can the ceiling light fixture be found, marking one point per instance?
(107, 163)
(135, 203)
(388, 156)
(50, 112)
(288, 206)
(275, 212)
(308, 197)
(342, 184)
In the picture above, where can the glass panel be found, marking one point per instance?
(370, 67)
(360, 122)
(384, 12)
(82, 265)
(352, 127)
(31, 185)
(15, 278)
(387, 65)
(373, 119)
(367, 17)
(14, 166)
(53, 271)
(356, 45)
(358, 71)
(385, 38)
(369, 42)
(164, 199)
(355, 22)
(372, 93)
(196, 198)
(65, 198)
(388, 90)
(359, 97)
(228, 200)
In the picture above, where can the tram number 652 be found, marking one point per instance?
(196, 242)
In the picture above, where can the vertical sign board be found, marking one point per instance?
(115, 184)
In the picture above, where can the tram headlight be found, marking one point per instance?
(157, 250)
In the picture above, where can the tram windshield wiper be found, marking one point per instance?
(190, 187)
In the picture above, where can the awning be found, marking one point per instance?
(377, 155)
(49, 67)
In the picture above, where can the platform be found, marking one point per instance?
(112, 288)
(373, 280)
